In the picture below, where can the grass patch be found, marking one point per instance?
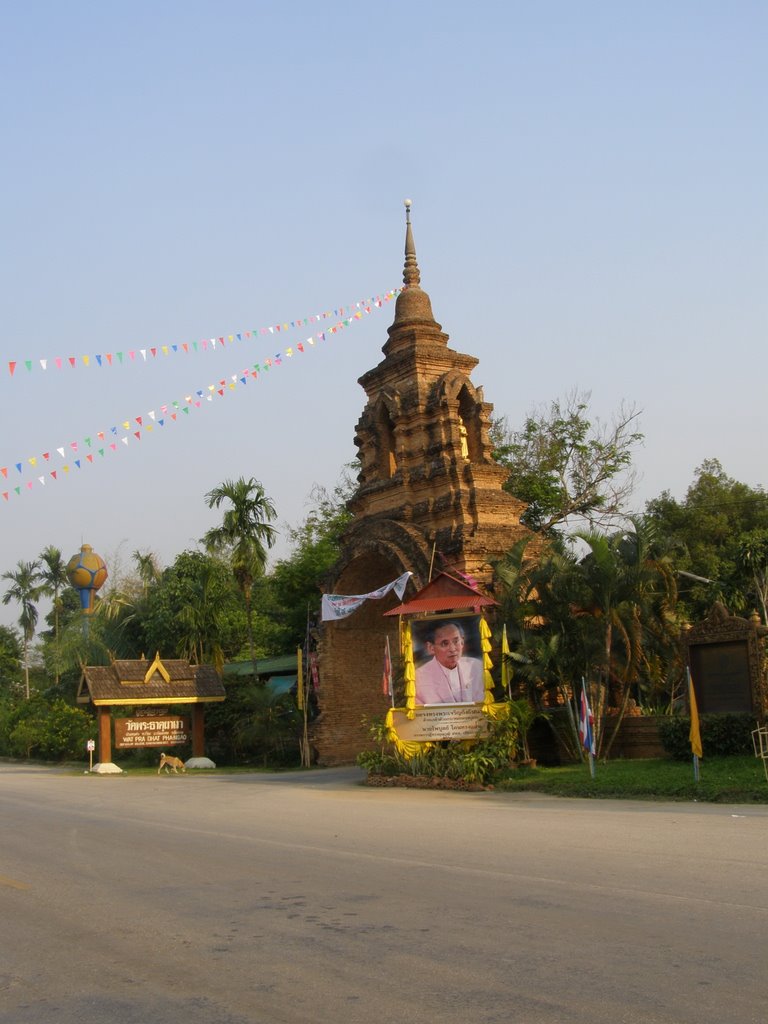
(721, 780)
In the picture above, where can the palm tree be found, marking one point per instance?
(244, 534)
(199, 623)
(25, 590)
(147, 568)
(53, 576)
(625, 586)
(608, 615)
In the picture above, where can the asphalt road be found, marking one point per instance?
(225, 899)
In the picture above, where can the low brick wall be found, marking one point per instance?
(638, 738)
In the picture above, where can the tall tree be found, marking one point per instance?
(147, 567)
(566, 467)
(295, 581)
(53, 575)
(199, 622)
(244, 535)
(24, 589)
(753, 559)
(10, 657)
(717, 529)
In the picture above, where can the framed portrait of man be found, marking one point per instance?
(448, 660)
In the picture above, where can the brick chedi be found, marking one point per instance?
(429, 498)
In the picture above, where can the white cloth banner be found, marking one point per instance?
(339, 606)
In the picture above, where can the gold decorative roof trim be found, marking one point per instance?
(157, 666)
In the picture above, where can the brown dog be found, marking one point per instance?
(171, 764)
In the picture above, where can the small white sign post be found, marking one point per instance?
(91, 745)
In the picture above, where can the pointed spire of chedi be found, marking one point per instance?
(413, 304)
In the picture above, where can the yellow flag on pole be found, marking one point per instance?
(506, 673)
(299, 680)
(695, 734)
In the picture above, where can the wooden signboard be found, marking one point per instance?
(152, 731)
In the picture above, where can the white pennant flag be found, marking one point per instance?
(339, 606)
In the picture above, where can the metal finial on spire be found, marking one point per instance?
(411, 275)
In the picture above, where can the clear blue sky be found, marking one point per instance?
(589, 189)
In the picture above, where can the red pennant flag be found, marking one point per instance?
(4, 471)
(89, 457)
(11, 367)
(72, 361)
(137, 434)
(53, 473)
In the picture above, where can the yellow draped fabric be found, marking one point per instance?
(485, 643)
(409, 671)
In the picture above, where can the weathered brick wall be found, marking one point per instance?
(351, 661)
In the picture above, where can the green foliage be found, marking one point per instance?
(254, 724)
(721, 780)
(192, 610)
(522, 716)
(244, 535)
(720, 533)
(562, 465)
(721, 735)
(604, 611)
(476, 762)
(295, 581)
(25, 588)
(41, 729)
(10, 658)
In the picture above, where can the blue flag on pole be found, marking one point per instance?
(586, 722)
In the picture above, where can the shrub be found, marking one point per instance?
(721, 735)
(35, 728)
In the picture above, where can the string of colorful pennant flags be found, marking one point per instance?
(100, 443)
(151, 353)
